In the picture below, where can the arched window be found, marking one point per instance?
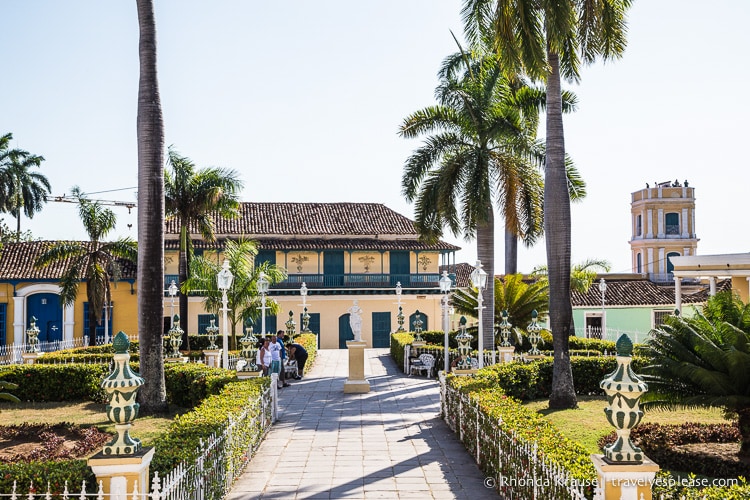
(670, 266)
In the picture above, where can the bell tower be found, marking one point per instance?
(663, 225)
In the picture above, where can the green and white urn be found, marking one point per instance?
(624, 390)
(122, 386)
(464, 346)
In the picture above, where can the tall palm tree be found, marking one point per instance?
(150, 131)
(21, 191)
(243, 300)
(95, 261)
(481, 153)
(193, 197)
(703, 361)
(545, 40)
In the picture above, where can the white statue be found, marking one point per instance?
(355, 321)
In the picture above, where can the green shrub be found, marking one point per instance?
(584, 344)
(188, 383)
(310, 342)
(42, 473)
(398, 342)
(70, 382)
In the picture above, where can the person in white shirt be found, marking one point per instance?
(275, 349)
(263, 358)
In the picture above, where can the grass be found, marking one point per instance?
(587, 423)
(84, 413)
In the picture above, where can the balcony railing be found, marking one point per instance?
(361, 280)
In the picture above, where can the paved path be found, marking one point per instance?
(389, 443)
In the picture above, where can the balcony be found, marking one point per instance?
(361, 281)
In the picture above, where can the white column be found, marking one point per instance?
(684, 223)
(660, 223)
(69, 322)
(662, 262)
(650, 223)
(650, 262)
(712, 286)
(678, 294)
(19, 317)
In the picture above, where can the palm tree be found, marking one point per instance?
(481, 152)
(20, 189)
(193, 197)
(95, 261)
(512, 294)
(150, 130)
(703, 361)
(243, 300)
(545, 39)
(582, 274)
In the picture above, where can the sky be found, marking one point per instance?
(304, 100)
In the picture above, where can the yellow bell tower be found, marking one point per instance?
(663, 219)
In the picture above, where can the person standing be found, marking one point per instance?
(275, 349)
(298, 353)
(280, 340)
(263, 358)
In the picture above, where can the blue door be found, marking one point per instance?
(345, 331)
(381, 329)
(333, 268)
(46, 308)
(399, 268)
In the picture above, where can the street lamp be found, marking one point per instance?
(603, 289)
(400, 315)
(172, 290)
(262, 285)
(224, 282)
(445, 287)
(305, 316)
(479, 280)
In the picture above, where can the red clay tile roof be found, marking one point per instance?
(17, 263)
(635, 292)
(311, 219)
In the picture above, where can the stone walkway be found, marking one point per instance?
(389, 443)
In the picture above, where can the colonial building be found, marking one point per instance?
(342, 252)
(27, 292)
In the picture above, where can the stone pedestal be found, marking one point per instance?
(533, 357)
(625, 481)
(506, 354)
(356, 382)
(418, 344)
(119, 474)
(458, 371)
(213, 357)
(29, 358)
(181, 359)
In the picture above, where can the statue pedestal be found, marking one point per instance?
(119, 473)
(625, 481)
(181, 359)
(356, 382)
(457, 371)
(533, 357)
(29, 358)
(418, 344)
(506, 354)
(213, 357)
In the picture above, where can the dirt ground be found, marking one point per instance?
(30, 442)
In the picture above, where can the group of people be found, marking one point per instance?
(273, 357)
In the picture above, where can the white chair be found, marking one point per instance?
(426, 364)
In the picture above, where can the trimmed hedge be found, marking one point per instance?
(310, 342)
(188, 383)
(70, 382)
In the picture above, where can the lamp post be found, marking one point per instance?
(262, 290)
(172, 291)
(305, 316)
(400, 315)
(479, 280)
(603, 289)
(445, 287)
(224, 282)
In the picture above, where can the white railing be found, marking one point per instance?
(611, 334)
(513, 466)
(210, 476)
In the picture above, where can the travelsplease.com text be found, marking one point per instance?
(669, 482)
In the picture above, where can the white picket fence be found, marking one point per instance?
(208, 477)
(514, 466)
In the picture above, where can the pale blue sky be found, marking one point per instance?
(305, 98)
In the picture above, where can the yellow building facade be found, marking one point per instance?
(663, 226)
(342, 252)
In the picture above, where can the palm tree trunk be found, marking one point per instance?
(153, 394)
(18, 225)
(486, 254)
(182, 271)
(557, 227)
(511, 252)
